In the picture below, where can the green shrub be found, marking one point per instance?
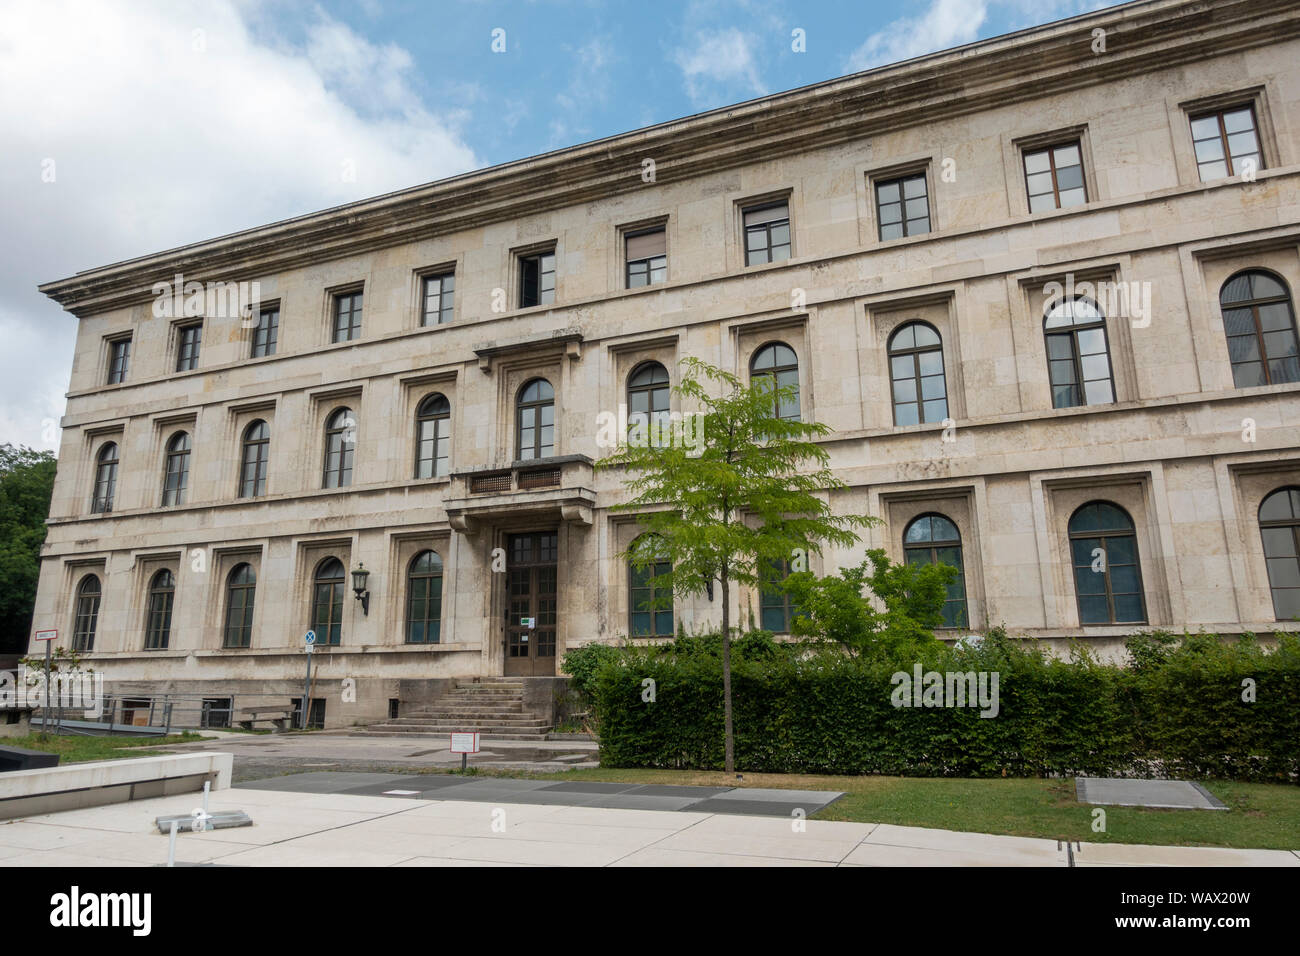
(1181, 713)
(581, 663)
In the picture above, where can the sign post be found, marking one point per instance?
(464, 743)
(306, 690)
(49, 637)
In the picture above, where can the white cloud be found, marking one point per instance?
(169, 124)
(949, 23)
(720, 67)
(945, 23)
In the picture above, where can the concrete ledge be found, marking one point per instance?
(28, 792)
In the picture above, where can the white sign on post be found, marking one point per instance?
(47, 635)
(464, 742)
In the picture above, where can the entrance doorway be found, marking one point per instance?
(531, 600)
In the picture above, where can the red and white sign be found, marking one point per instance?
(52, 635)
(464, 742)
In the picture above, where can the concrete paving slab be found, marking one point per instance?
(535, 852)
(551, 831)
(443, 861)
(873, 854)
(667, 790)
(989, 845)
(790, 846)
(1133, 854)
(589, 787)
(190, 848)
(634, 801)
(421, 784)
(755, 807)
(1169, 794)
(818, 798)
(658, 856)
(647, 819)
(30, 835)
(322, 781)
(65, 859)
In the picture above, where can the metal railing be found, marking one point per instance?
(142, 714)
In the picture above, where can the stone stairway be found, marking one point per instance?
(494, 706)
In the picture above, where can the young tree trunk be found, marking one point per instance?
(730, 742)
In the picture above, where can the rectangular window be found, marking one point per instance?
(537, 279)
(903, 207)
(647, 258)
(187, 352)
(347, 316)
(1226, 142)
(439, 299)
(767, 234)
(119, 359)
(315, 715)
(267, 332)
(1054, 177)
(215, 712)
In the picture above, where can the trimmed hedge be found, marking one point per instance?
(1180, 713)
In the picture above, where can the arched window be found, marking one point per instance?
(101, 501)
(241, 590)
(254, 455)
(775, 607)
(916, 375)
(934, 539)
(1259, 321)
(1279, 524)
(647, 405)
(650, 600)
(327, 602)
(778, 363)
(424, 599)
(1107, 574)
(177, 473)
(1078, 354)
(158, 621)
(432, 437)
(536, 418)
(87, 616)
(340, 444)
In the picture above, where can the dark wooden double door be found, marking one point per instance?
(531, 603)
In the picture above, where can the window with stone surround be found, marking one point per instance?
(158, 620)
(1279, 526)
(1107, 571)
(1259, 321)
(241, 594)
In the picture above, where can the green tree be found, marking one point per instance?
(730, 493)
(26, 483)
(835, 607)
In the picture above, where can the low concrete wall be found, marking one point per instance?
(93, 784)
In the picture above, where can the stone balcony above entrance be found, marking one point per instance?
(547, 488)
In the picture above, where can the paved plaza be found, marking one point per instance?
(294, 828)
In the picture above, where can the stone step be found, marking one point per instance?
(376, 732)
(450, 725)
(462, 706)
(434, 731)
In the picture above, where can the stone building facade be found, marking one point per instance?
(1041, 287)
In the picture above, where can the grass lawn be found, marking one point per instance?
(75, 749)
(1262, 815)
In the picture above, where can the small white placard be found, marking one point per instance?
(47, 635)
(464, 742)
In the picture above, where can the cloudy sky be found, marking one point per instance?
(130, 126)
